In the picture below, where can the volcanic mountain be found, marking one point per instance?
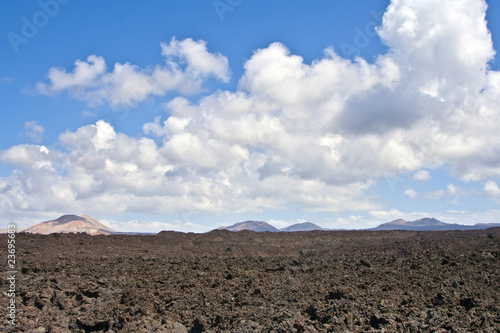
(306, 226)
(257, 226)
(429, 224)
(70, 223)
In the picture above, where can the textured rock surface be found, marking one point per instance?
(396, 281)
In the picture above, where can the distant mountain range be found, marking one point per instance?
(71, 223)
(430, 224)
(425, 224)
(84, 223)
(260, 226)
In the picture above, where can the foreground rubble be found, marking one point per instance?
(335, 281)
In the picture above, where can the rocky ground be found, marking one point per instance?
(343, 281)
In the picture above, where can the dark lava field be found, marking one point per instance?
(222, 281)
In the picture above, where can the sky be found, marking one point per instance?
(190, 115)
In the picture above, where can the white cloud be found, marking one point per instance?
(411, 193)
(187, 64)
(102, 168)
(491, 188)
(386, 214)
(154, 128)
(200, 62)
(422, 175)
(415, 31)
(453, 189)
(469, 217)
(280, 224)
(450, 195)
(28, 156)
(142, 226)
(84, 75)
(34, 131)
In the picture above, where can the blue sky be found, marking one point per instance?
(188, 115)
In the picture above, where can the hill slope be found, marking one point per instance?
(306, 226)
(70, 223)
(257, 226)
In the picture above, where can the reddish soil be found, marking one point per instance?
(342, 281)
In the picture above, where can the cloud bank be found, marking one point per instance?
(316, 137)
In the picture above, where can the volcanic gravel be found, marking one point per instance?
(322, 281)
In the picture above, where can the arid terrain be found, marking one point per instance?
(222, 281)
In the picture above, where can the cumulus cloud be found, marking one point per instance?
(491, 188)
(198, 61)
(445, 48)
(187, 64)
(101, 168)
(314, 136)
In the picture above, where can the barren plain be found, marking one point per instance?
(222, 281)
